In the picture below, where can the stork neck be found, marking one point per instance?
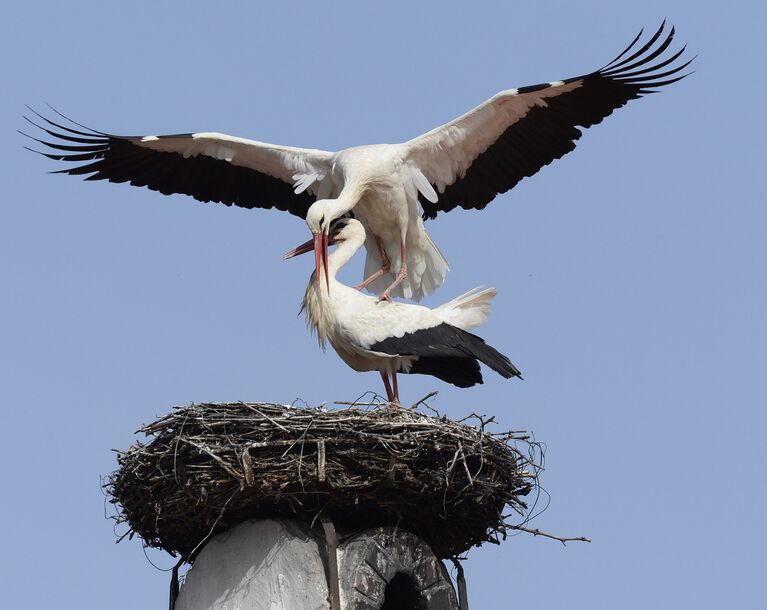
(342, 255)
(346, 200)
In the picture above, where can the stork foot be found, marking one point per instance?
(386, 294)
(369, 280)
(385, 266)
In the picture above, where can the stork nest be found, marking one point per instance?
(209, 467)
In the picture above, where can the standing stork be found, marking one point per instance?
(393, 337)
(464, 163)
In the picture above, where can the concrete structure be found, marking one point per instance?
(279, 565)
(390, 568)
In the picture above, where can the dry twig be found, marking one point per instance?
(536, 532)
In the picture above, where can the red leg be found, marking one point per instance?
(396, 389)
(387, 385)
(385, 266)
(386, 294)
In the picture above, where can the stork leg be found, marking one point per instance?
(387, 385)
(385, 266)
(394, 383)
(386, 294)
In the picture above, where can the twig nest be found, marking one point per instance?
(209, 467)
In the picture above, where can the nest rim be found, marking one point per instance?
(207, 467)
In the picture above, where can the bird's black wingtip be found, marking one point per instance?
(33, 150)
(89, 131)
(635, 65)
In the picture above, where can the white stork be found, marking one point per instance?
(465, 162)
(391, 337)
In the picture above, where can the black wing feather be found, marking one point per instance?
(550, 132)
(120, 159)
(460, 371)
(448, 353)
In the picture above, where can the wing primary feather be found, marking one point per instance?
(37, 152)
(64, 116)
(643, 60)
(654, 67)
(79, 170)
(641, 79)
(67, 147)
(93, 133)
(61, 136)
(644, 48)
(662, 83)
(72, 158)
(626, 50)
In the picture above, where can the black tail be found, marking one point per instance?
(476, 347)
(461, 371)
(448, 353)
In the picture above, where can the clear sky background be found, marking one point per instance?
(631, 279)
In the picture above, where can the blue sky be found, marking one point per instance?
(630, 275)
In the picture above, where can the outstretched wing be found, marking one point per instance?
(515, 133)
(208, 166)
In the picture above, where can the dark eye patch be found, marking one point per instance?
(338, 224)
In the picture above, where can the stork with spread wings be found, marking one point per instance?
(390, 188)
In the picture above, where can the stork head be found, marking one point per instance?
(338, 231)
(347, 228)
(319, 216)
(318, 219)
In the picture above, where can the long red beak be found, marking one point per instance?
(319, 243)
(325, 241)
(302, 249)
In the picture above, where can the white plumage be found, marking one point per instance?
(389, 337)
(390, 188)
(468, 310)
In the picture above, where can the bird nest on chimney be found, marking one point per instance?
(209, 467)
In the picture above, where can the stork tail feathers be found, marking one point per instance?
(468, 310)
(436, 267)
(425, 274)
(490, 356)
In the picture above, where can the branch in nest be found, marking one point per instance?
(536, 532)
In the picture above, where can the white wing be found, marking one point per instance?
(515, 133)
(208, 166)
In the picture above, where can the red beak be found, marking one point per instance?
(302, 249)
(325, 241)
(319, 243)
